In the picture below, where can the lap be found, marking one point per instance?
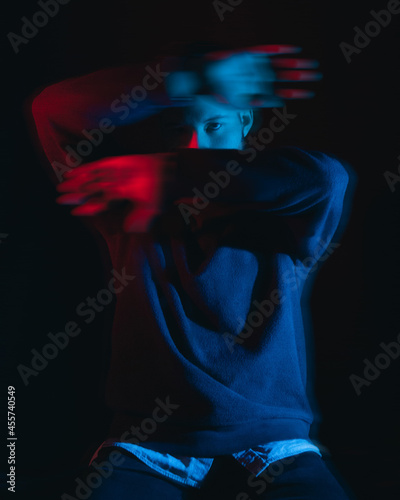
(125, 478)
(302, 477)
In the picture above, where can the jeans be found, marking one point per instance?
(301, 477)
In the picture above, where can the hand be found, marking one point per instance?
(139, 179)
(243, 78)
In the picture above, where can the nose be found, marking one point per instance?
(193, 142)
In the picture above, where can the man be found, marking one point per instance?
(213, 240)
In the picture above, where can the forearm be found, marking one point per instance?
(286, 181)
(302, 192)
(89, 108)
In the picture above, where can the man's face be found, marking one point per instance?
(206, 124)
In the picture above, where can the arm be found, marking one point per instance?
(73, 117)
(303, 191)
(76, 116)
(290, 183)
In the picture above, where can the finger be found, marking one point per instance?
(98, 165)
(83, 171)
(294, 63)
(82, 184)
(89, 173)
(79, 186)
(90, 208)
(294, 93)
(71, 199)
(68, 187)
(74, 184)
(294, 75)
(116, 170)
(273, 49)
(265, 50)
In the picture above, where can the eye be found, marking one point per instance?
(212, 127)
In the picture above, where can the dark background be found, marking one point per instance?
(50, 262)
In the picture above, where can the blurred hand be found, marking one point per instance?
(139, 179)
(244, 78)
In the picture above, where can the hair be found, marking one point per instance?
(192, 55)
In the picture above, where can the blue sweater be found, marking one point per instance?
(213, 320)
(209, 326)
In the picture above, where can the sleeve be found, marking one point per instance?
(303, 192)
(73, 118)
(76, 121)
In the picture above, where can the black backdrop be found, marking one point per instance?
(50, 262)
